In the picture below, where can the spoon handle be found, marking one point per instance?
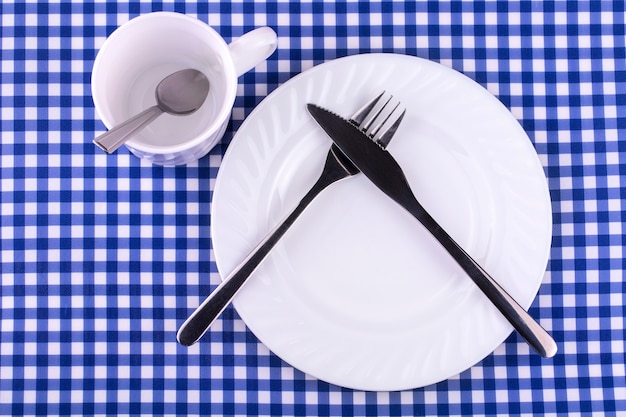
(116, 137)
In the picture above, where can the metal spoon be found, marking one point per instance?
(180, 93)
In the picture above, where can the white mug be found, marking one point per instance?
(143, 51)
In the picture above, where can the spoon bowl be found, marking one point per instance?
(180, 93)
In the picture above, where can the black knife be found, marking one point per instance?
(382, 169)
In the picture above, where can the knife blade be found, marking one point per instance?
(384, 172)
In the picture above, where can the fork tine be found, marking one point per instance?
(359, 117)
(384, 139)
(375, 130)
(364, 120)
(366, 126)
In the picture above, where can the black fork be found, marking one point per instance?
(380, 124)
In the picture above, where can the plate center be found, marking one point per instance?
(355, 253)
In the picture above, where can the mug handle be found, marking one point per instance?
(252, 48)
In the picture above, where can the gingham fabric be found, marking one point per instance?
(103, 257)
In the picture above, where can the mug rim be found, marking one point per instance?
(224, 113)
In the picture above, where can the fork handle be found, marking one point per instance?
(535, 335)
(203, 317)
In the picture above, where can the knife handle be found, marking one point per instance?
(532, 332)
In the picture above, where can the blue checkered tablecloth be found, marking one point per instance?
(103, 257)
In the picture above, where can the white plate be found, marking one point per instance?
(357, 293)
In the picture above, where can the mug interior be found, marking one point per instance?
(139, 54)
